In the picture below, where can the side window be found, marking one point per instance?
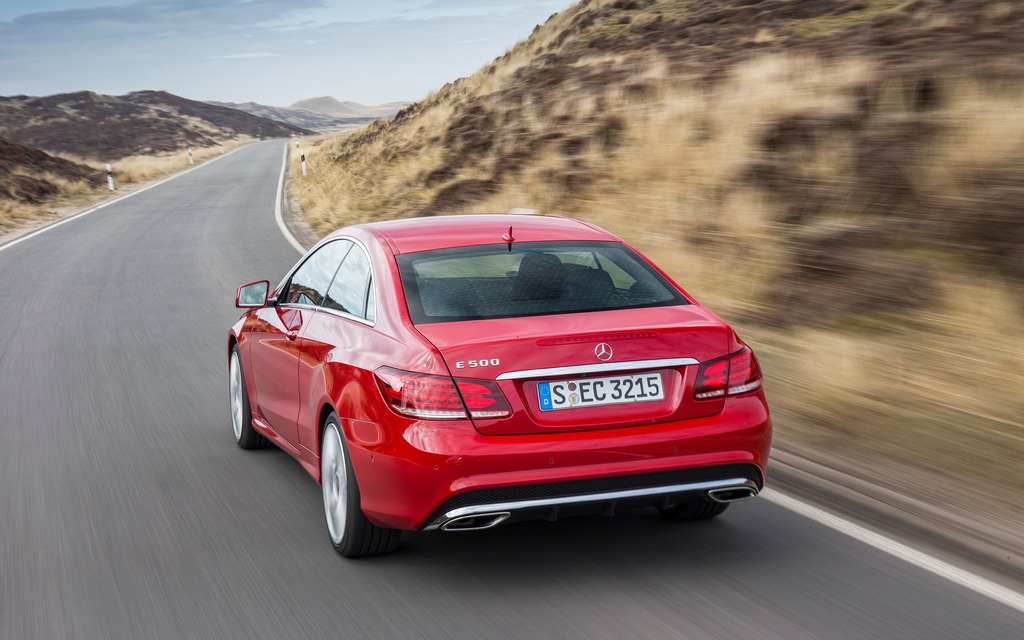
(349, 289)
(309, 283)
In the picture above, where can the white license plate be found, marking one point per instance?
(595, 392)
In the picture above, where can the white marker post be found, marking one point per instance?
(190, 161)
(222, 148)
(110, 177)
(302, 156)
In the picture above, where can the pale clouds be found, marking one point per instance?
(271, 51)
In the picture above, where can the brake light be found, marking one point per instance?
(729, 375)
(483, 398)
(431, 397)
(418, 395)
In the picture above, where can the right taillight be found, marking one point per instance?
(729, 375)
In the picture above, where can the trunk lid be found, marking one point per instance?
(599, 366)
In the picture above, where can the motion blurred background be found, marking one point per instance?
(843, 180)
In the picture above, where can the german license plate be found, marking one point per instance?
(595, 392)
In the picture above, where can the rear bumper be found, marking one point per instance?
(485, 508)
(426, 474)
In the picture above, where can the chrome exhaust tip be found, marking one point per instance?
(732, 494)
(476, 522)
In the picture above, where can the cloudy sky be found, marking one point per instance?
(275, 52)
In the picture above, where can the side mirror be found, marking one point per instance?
(252, 295)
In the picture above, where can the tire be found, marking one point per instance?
(352, 535)
(695, 510)
(241, 413)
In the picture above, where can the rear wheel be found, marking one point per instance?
(241, 413)
(696, 510)
(352, 535)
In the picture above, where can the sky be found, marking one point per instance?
(275, 52)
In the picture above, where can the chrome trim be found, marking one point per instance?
(597, 368)
(347, 316)
(481, 509)
(747, 491)
(495, 520)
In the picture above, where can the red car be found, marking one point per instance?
(459, 372)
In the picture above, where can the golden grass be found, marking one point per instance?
(833, 23)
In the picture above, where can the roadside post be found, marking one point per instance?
(110, 177)
(302, 156)
(190, 160)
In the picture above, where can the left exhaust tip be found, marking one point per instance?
(476, 522)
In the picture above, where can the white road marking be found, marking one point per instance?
(82, 214)
(277, 207)
(941, 568)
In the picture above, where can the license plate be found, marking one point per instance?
(595, 392)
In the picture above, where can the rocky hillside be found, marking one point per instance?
(106, 128)
(879, 81)
(843, 179)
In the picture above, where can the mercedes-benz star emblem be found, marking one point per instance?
(603, 352)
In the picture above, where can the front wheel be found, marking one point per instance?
(241, 412)
(352, 535)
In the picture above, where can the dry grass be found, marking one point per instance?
(129, 173)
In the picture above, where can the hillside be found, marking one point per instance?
(842, 179)
(105, 128)
(31, 176)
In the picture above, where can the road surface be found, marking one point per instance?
(127, 511)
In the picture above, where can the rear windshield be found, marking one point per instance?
(533, 278)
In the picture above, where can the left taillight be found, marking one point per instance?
(432, 397)
(729, 375)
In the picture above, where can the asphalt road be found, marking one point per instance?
(127, 511)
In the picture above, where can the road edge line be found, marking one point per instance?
(278, 217)
(82, 214)
(941, 568)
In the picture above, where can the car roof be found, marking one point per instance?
(442, 232)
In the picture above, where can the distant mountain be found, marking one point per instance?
(105, 127)
(299, 117)
(349, 109)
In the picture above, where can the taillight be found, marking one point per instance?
(729, 375)
(431, 397)
(483, 398)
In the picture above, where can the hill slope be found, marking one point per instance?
(32, 176)
(102, 127)
(844, 179)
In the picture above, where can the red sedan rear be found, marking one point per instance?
(459, 372)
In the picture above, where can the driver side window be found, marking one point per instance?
(308, 285)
